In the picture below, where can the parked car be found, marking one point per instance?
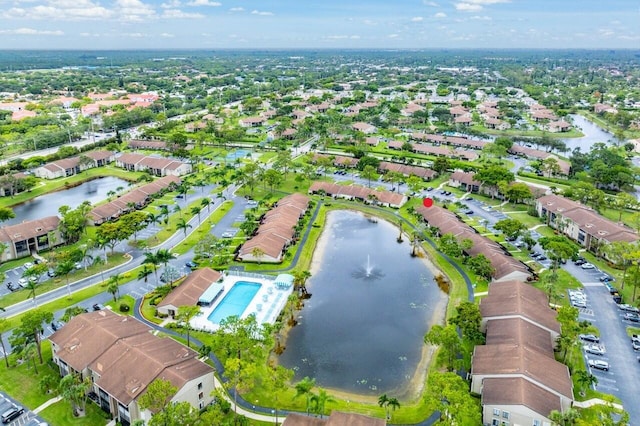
(606, 278)
(12, 287)
(22, 282)
(628, 308)
(579, 262)
(587, 266)
(98, 306)
(594, 349)
(590, 338)
(57, 325)
(12, 414)
(632, 316)
(578, 303)
(191, 264)
(28, 265)
(599, 364)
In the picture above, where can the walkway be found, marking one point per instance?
(47, 403)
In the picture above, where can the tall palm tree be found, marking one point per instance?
(383, 401)
(257, 253)
(184, 225)
(300, 280)
(64, 269)
(206, 202)
(319, 401)
(196, 210)
(31, 286)
(185, 314)
(29, 353)
(114, 286)
(152, 259)
(585, 380)
(393, 403)
(144, 272)
(164, 256)
(304, 388)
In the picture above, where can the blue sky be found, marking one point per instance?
(126, 24)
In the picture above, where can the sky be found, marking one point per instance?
(328, 24)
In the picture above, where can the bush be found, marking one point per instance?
(124, 307)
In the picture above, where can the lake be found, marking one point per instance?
(362, 330)
(592, 134)
(93, 191)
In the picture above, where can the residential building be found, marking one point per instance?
(157, 166)
(581, 223)
(122, 357)
(74, 165)
(27, 237)
(360, 193)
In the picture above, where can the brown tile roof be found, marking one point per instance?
(128, 366)
(98, 155)
(517, 360)
(406, 170)
(464, 177)
(520, 332)
(144, 144)
(358, 192)
(449, 140)
(518, 391)
(29, 229)
(191, 288)
(87, 336)
(511, 299)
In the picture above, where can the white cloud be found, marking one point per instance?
(440, 15)
(171, 4)
(354, 37)
(337, 37)
(393, 35)
(237, 9)
(135, 10)
(134, 35)
(204, 3)
(430, 3)
(485, 2)
(468, 7)
(167, 35)
(261, 13)
(481, 18)
(31, 31)
(179, 14)
(66, 10)
(417, 19)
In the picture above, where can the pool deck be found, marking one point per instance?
(266, 304)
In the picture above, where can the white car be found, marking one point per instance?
(594, 349)
(28, 265)
(23, 282)
(599, 364)
(587, 266)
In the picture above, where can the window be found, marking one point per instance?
(505, 414)
(200, 386)
(201, 395)
(495, 422)
(496, 412)
(536, 423)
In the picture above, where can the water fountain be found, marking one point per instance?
(368, 271)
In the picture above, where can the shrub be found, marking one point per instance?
(124, 307)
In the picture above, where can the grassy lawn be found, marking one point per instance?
(60, 414)
(204, 228)
(122, 300)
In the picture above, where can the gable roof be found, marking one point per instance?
(520, 332)
(29, 229)
(191, 288)
(518, 391)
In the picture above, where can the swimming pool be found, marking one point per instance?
(235, 301)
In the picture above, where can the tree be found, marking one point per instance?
(134, 222)
(73, 222)
(383, 402)
(277, 379)
(449, 245)
(184, 225)
(414, 183)
(304, 388)
(74, 390)
(481, 266)
(319, 401)
(511, 228)
(6, 213)
(518, 192)
(585, 380)
(4, 326)
(64, 269)
(185, 314)
(394, 404)
(300, 278)
(111, 233)
(272, 178)
(144, 272)
(492, 175)
(158, 394)
(448, 340)
(559, 249)
(257, 254)
(28, 331)
(241, 375)
(29, 352)
(449, 393)
(468, 318)
(369, 172)
(206, 202)
(113, 286)
(153, 260)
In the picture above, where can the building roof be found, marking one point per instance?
(87, 336)
(520, 332)
(510, 360)
(29, 229)
(517, 299)
(189, 292)
(518, 391)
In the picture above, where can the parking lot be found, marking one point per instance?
(22, 416)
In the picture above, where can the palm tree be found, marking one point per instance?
(177, 209)
(205, 202)
(383, 401)
(114, 286)
(320, 400)
(164, 212)
(64, 269)
(29, 353)
(585, 380)
(184, 225)
(144, 272)
(257, 253)
(303, 388)
(31, 286)
(153, 260)
(300, 280)
(196, 210)
(393, 403)
(185, 314)
(164, 256)
(154, 218)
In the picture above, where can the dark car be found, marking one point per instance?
(56, 325)
(606, 278)
(579, 261)
(12, 287)
(191, 264)
(12, 414)
(98, 306)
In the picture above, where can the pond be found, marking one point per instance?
(592, 134)
(362, 330)
(93, 191)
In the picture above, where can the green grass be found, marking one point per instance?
(126, 300)
(60, 414)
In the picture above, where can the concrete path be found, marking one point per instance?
(48, 403)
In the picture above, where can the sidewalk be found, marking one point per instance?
(48, 403)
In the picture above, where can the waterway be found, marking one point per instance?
(93, 191)
(361, 332)
(592, 134)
